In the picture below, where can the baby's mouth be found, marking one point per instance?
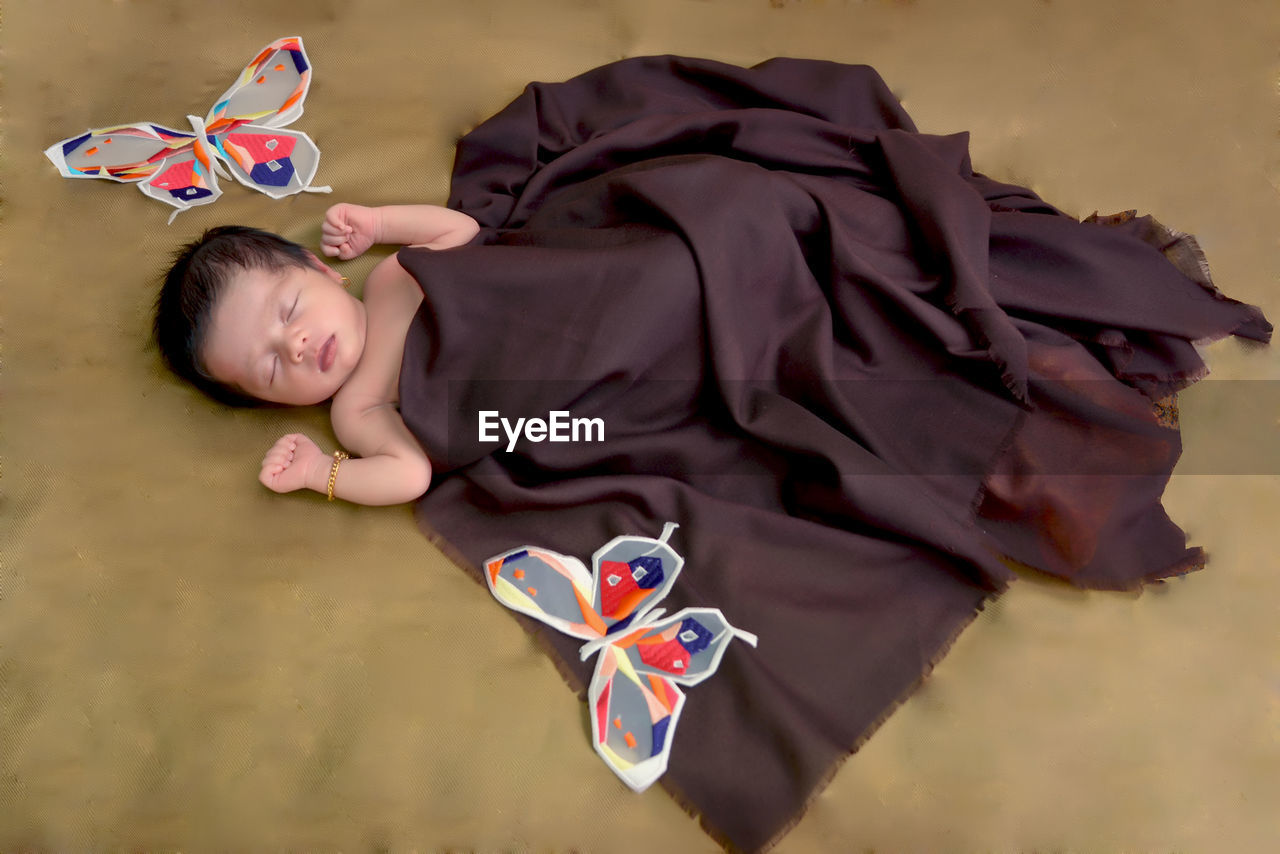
(328, 352)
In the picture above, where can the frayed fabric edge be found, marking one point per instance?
(874, 727)
(531, 628)
(1184, 252)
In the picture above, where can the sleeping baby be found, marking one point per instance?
(249, 317)
(861, 376)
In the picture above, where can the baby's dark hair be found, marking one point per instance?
(192, 287)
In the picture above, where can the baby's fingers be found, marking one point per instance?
(336, 214)
(334, 242)
(282, 469)
(282, 451)
(335, 230)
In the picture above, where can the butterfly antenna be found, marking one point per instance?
(667, 529)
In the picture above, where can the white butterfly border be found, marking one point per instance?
(633, 699)
(242, 137)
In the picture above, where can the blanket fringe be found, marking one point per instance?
(1184, 252)
(456, 557)
(871, 730)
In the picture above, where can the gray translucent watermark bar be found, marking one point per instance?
(820, 428)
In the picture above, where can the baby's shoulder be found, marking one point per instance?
(391, 299)
(391, 287)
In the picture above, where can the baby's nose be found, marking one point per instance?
(298, 346)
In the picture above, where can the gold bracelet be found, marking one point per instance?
(338, 457)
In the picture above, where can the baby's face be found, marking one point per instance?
(286, 337)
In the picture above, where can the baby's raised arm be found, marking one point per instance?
(349, 230)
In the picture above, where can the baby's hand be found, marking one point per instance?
(289, 462)
(348, 230)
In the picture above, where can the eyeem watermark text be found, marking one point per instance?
(558, 426)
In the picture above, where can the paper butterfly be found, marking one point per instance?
(178, 168)
(633, 700)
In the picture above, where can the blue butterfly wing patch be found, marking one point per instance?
(685, 647)
(632, 574)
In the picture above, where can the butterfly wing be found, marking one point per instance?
(244, 128)
(245, 124)
(634, 698)
(685, 647)
(166, 164)
(548, 586)
(269, 91)
(633, 718)
(274, 161)
(632, 574)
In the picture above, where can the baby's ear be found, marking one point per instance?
(324, 268)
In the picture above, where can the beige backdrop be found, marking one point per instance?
(188, 661)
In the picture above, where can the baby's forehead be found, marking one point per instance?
(236, 327)
(261, 278)
(246, 289)
(244, 296)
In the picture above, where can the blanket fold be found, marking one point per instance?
(858, 375)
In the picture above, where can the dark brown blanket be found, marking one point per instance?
(853, 370)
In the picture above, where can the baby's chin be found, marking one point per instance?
(313, 397)
(327, 398)
(333, 392)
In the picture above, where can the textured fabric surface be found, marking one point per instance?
(189, 662)
(825, 347)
